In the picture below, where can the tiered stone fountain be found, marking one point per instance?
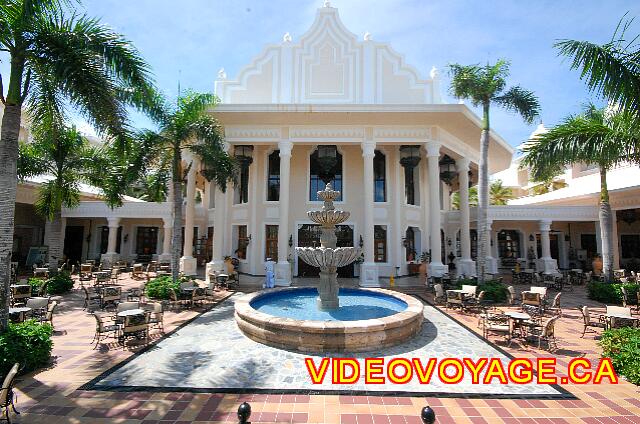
(315, 321)
(328, 257)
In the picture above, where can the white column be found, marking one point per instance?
(188, 263)
(111, 256)
(369, 269)
(166, 240)
(283, 268)
(546, 264)
(217, 257)
(436, 267)
(491, 263)
(466, 266)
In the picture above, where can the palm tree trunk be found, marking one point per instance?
(606, 227)
(483, 196)
(8, 188)
(176, 237)
(56, 240)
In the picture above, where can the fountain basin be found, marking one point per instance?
(398, 317)
(328, 218)
(325, 257)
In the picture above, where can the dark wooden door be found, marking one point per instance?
(73, 240)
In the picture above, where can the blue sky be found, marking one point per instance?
(191, 39)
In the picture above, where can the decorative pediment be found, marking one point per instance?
(328, 64)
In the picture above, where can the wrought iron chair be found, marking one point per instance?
(104, 328)
(545, 332)
(555, 307)
(135, 326)
(7, 397)
(590, 321)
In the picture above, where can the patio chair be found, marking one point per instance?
(440, 297)
(497, 324)
(115, 273)
(187, 284)
(455, 299)
(42, 291)
(7, 397)
(512, 298)
(590, 321)
(545, 332)
(539, 289)
(198, 295)
(38, 307)
(20, 294)
(174, 300)
(619, 273)
(532, 299)
(101, 278)
(625, 297)
(555, 307)
(104, 327)
(48, 316)
(136, 293)
(156, 317)
(110, 295)
(86, 272)
(469, 290)
(135, 326)
(137, 272)
(90, 298)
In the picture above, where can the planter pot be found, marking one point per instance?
(422, 270)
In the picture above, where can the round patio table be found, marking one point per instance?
(519, 318)
(20, 311)
(130, 312)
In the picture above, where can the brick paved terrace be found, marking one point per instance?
(56, 394)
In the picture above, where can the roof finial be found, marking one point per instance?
(367, 36)
(435, 73)
(286, 37)
(222, 74)
(327, 3)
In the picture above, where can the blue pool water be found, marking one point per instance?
(354, 305)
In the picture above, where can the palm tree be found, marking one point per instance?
(483, 86)
(606, 138)
(611, 70)
(66, 159)
(58, 58)
(500, 194)
(186, 127)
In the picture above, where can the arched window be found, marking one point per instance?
(244, 156)
(325, 166)
(273, 177)
(379, 177)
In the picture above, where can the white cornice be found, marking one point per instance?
(90, 209)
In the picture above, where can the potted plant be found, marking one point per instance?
(422, 269)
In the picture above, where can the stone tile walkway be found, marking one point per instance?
(54, 396)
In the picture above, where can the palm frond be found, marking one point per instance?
(521, 101)
(608, 70)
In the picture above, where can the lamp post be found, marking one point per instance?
(327, 161)
(409, 159)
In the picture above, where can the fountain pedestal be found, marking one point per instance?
(328, 257)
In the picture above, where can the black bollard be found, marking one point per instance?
(427, 415)
(244, 412)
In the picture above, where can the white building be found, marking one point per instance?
(347, 109)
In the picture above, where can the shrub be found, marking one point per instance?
(611, 292)
(622, 345)
(159, 288)
(35, 284)
(60, 283)
(28, 343)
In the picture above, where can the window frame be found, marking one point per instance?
(342, 179)
(271, 243)
(380, 155)
(378, 240)
(269, 177)
(139, 248)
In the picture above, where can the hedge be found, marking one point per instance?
(494, 290)
(27, 343)
(611, 292)
(159, 287)
(622, 345)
